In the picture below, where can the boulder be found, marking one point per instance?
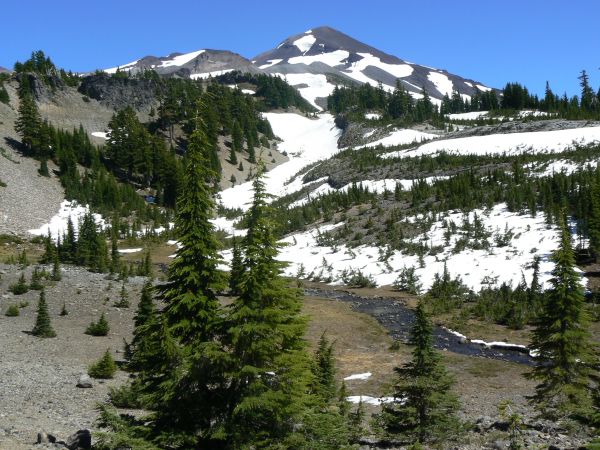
(82, 440)
(85, 382)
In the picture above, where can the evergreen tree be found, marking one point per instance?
(324, 370)
(269, 374)
(29, 123)
(594, 220)
(237, 141)
(561, 341)
(56, 273)
(43, 327)
(425, 407)
(187, 398)
(105, 368)
(237, 268)
(123, 298)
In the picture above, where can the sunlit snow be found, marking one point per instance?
(57, 226)
(304, 140)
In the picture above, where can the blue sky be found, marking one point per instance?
(529, 41)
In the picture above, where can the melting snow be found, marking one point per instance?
(317, 85)
(442, 83)
(58, 224)
(372, 116)
(531, 237)
(130, 250)
(401, 137)
(332, 59)
(181, 59)
(371, 400)
(473, 115)
(512, 143)
(216, 73)
(305, 42)
(356, 68)
(100, 134)
(359, 376)
(305, 141)
(270, 63)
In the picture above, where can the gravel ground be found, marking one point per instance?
(39, 376)
(28, 200)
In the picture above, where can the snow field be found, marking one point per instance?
(509, 263)
(305, 141)
(510, 144)
(401, 137)
(376, 186)
(317, 86)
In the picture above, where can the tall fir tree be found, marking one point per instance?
(269, 375)
(562, 344)
(187, 398)
(425, 408)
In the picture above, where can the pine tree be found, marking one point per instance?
(43, 327)
(56, 274)
(594, 220)
(425, 407)
(188, 401)
(99, 328)
(123, 298)
(105, 368)
(269, 372)
(237, 268)
(29, 123)
(561, 341)
(324, 370)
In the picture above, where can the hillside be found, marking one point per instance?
(393, 194)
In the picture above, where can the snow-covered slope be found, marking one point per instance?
(304, 140)
(513, 143)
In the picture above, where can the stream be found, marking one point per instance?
(398, 320)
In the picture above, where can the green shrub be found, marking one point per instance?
(408, 281)
(125, 396)
(12, 311)
(99, 328)
(20, 287)
(104, 368)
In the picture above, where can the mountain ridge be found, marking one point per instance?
(315, 61)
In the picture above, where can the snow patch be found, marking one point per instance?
(305, 42)
(100, 134)
(205, 75)
(58, 224)
(442, 83)
(372, 400)
(129, 250)
(317, 85)
(473, 115)
(372, 116)
(358, 376)
(332, 59)
(401, 137)
(270, 62)
(181, 59)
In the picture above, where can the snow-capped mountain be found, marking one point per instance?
(315, 62)
(314, 59)
(197, 64)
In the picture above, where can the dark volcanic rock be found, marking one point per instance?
(117, 93)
